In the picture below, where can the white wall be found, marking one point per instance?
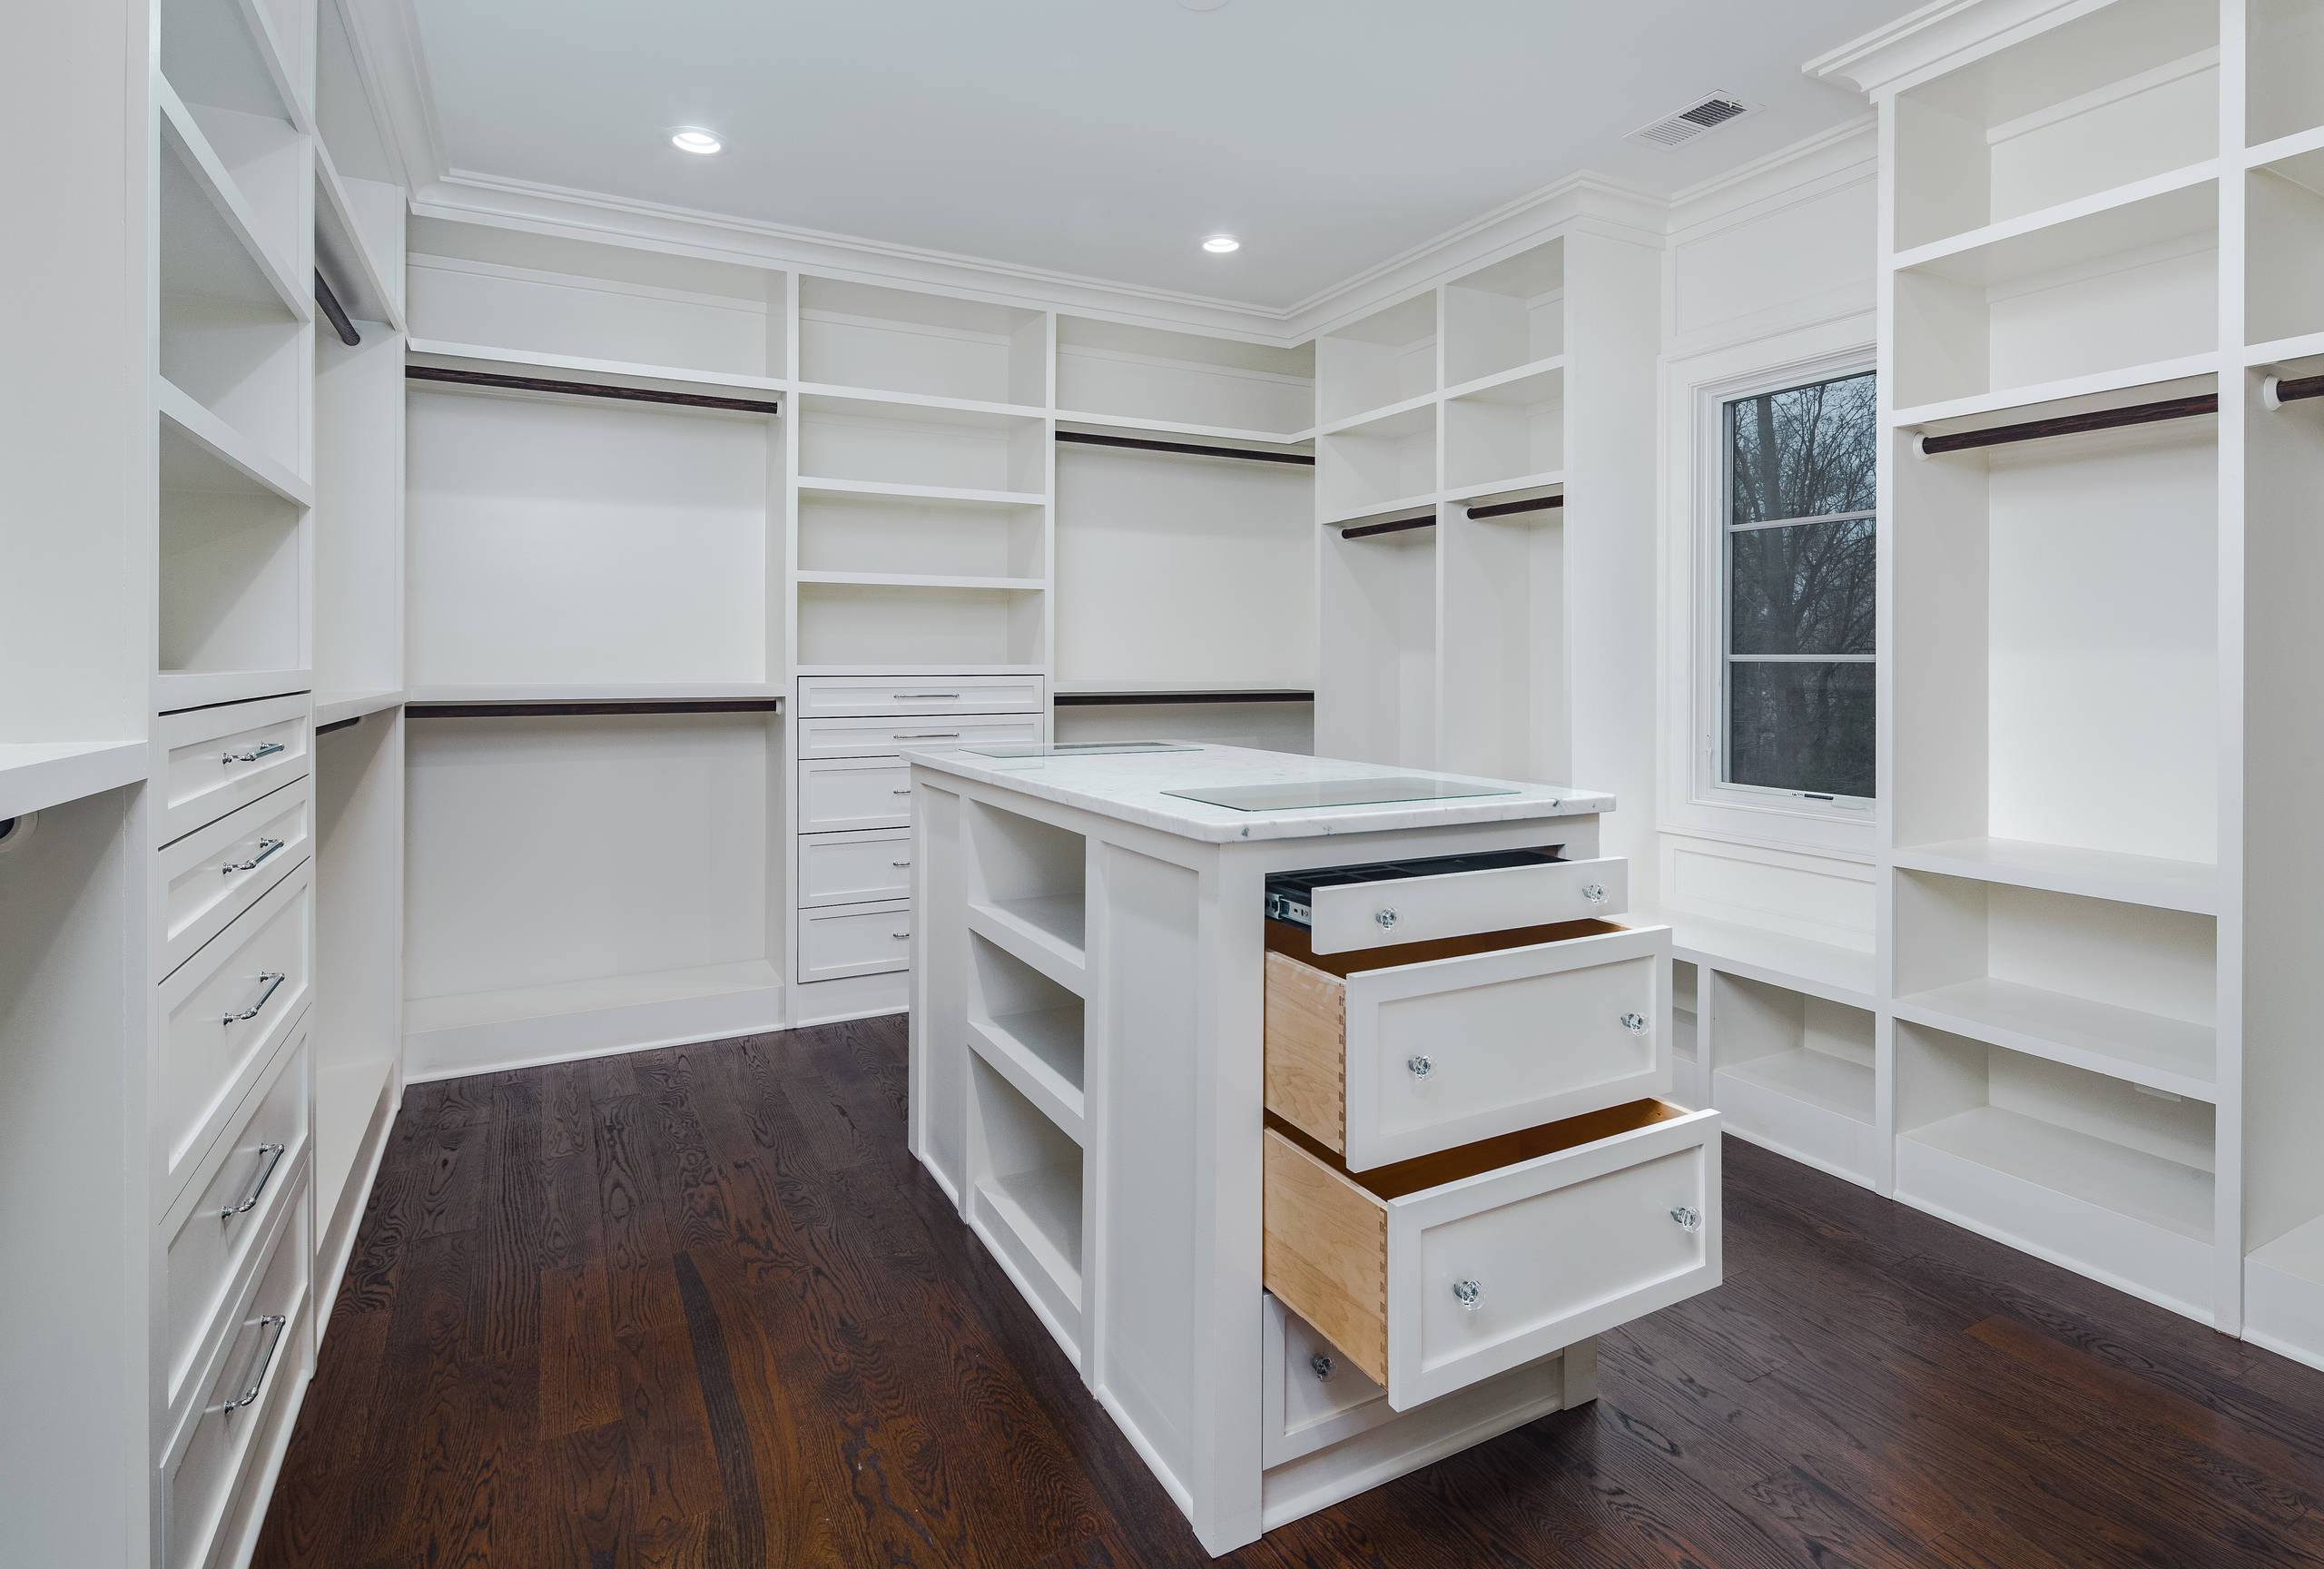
(1771, 268)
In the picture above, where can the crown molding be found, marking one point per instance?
(384, 35)
(1938, 39)
(1832, 160)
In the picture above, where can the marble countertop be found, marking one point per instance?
(1130, 787)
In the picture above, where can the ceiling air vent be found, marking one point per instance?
(1691, 122)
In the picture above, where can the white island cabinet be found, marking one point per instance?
(1316, 1182)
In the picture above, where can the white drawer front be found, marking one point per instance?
(209, 1235)
(1457, 1050)
(852, 939)
(821, 696)
(223, 1012)
(1314, 1396)
(934, 732)
(217, 872)
(854, 868)
(251, 1369)
(222, 758)
(1487, 1273)
(844, 794)
(1420, 909)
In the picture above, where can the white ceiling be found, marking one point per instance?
(1105, 138)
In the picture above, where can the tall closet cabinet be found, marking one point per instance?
(2101, 334)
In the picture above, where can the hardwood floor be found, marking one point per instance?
(698, 1307)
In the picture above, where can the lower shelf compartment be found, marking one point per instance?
(2283, 1295)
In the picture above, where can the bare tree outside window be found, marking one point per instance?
(1800, 576)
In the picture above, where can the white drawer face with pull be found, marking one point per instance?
(854, 868)
(885, 737)
(823, 696)
(255, 1363)
(1437, 1273)
(849, 795)
(1387, 1054)
(223, 758)
(223, 1012)
(1354, 915)
(215, 872)
(1313, 1394)
(853, 940)
(212, 1232)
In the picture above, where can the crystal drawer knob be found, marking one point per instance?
(1594, 891)
(1419, 1065)
(1688, 1218)
(1386, 918)
(1468, 1294)
(1634, 1022)
(1323, 1366)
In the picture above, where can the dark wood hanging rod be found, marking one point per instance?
(1510, 508)
(339, 725)
(1189, 448)
(335, 311)
(587, 389)
(2073, 424)
(588, 709)
(1393, 526)
(2284, 390)
(1120, 699)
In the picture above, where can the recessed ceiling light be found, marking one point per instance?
(1220, 244)
(692, 141)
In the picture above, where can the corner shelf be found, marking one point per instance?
(185, 145)
(2191, 886)
(227, 445)
(37, 775)
(1842, 975)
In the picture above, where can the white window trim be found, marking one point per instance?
(1696, 389)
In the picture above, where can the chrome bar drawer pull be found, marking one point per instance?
(1634, 1022)
(1469, 1293)
(899, 863)
(1688, 1218)
(266, 847)
(254, 754)
(269, 1156)
(1594, 891)
(927, 696)
(906, 790)
(928, 735)
(899, 936)
(1323, 1366)
(1419, 1066)
(274, 979)
(262, 1366)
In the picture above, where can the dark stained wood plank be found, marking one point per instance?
(697, 1306)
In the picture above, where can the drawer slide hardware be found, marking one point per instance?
(254, 754)
(1688, 1218)
(266, 847)
(263, 1365)
(269, 1156)
(274, 979)
(1634, 1022)
(1468, 1294)
(1420, 1066)
(1322, 1366)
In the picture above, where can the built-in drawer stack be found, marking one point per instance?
(1468, 1166)
(232, 1107)
(855, 801)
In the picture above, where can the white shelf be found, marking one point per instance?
(2297, 144)
(1823, 970)
(1501, 377)
(2287, 350)
(182, 138)
(1353, 423)
(1818, 1078)
(1494, 489)
(2166, 1054)
(2144, 1187)
(1042, 1209)
(37, 775)
(436, 353)
(1046, 934)
(2149, 212)
(948, 668)
(1040, 1054)
(227, 445)
(2182, 377)
(924, 580)
(1263, 440)
(175, 690)
(1383, 509)
(340, 254)
(918, 401)
(331, 708)
(814, 487)
(2151, 881)
(645, 692)
(226, 53)
(1193, 691)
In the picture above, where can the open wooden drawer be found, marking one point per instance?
(1431, 1274)
(1383, 1054)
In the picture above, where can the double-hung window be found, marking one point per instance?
(1797, 547)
